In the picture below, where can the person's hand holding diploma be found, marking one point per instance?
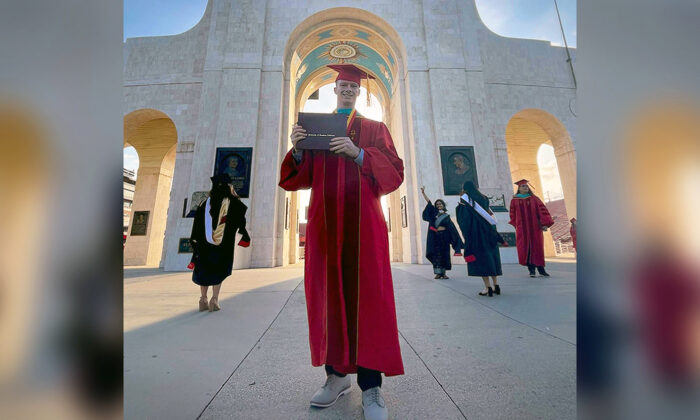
(345, 147)
(298, 133)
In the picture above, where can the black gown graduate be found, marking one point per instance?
(481, 239)
(213, 263)
(441, 234)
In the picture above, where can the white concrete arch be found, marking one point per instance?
(154, 136)
(526, 130)
(383, 39)
(338, 15)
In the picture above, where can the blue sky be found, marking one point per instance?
(533, 19)
(161, 17)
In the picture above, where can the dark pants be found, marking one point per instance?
(531, 268)
(366, 378)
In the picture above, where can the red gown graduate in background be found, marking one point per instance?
(529, 216)
(347, 274)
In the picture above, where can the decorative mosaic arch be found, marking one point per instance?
(340, 44)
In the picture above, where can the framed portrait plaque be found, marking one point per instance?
(140, 225)
(198, 197)
(458, 166)
(184, 246)
(498, 203)
(509, 237)
(235, 162)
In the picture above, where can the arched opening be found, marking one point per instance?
(153, 136)
(345, 35)
(540, 150)
(326, 103)
(131, 166)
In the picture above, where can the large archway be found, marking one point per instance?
(154, 136)
(527, 131)
(345, 35)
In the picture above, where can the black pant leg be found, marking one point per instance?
(368, 378)
(531, 268)
(331, 371)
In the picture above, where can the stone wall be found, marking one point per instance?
(225, 83)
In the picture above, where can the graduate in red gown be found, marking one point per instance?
(530, 217)
(347, 274)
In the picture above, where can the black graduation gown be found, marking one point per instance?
(481, 240)
(213, 263)
(438, 242)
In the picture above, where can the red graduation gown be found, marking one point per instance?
(347, 275)
(528, 215)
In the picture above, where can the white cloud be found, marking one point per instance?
(131, 159)
(536, 19)
(494, 15)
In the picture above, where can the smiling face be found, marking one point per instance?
(439, 205)
(523, 189)
(347, 93)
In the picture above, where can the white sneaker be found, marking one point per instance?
(373, 404)
(329, 393)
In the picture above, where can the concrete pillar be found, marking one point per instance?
(566, 161)
(530, 171)
(155, 138)
(152, 194)
(395, 234)
(264, 189)
(293, 233)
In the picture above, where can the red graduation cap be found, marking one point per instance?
(524, 182)
(352, 73)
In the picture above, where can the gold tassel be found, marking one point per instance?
(369, 96)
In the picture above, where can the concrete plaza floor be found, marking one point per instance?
(507, 357)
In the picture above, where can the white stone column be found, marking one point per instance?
(566, 162)
(425, 169)
(264, 189)
(152, 193)
(293, 233)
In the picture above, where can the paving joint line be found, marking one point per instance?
(494, 310)
(251, 350)
(432, 374)
(429, 277)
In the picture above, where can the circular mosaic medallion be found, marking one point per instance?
(343, 51)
